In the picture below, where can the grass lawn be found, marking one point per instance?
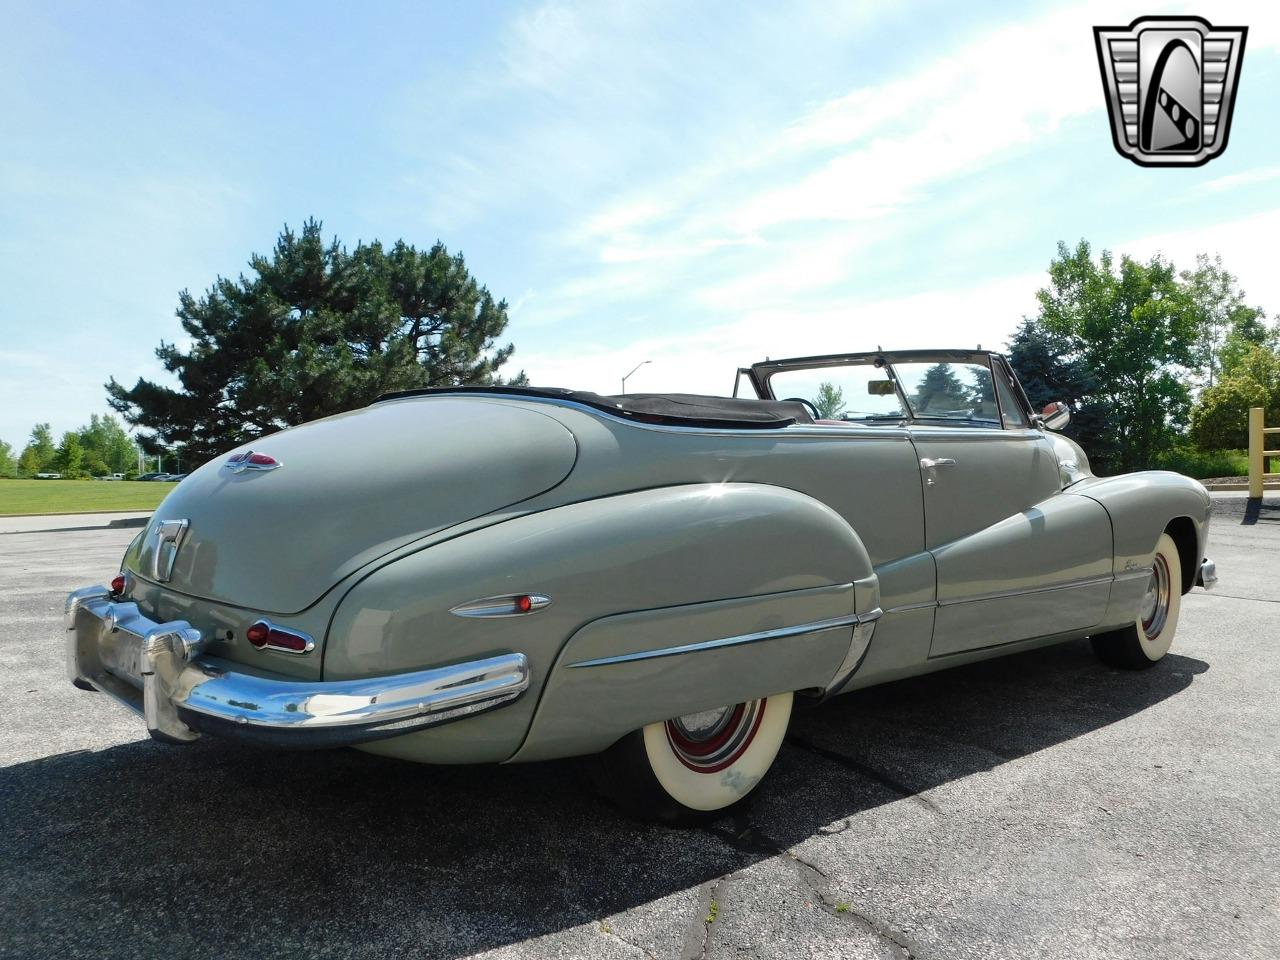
(78, 496)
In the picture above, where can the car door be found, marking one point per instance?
(1015, 558)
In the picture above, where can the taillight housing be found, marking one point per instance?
(117, 585)
(265, 635)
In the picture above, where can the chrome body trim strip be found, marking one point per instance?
(922, 605)
(1003, 594)
(504, 606)
(153, 669)
(858, 646)
(776, 633)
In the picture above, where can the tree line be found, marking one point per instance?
(99, 448)
(1156, 365)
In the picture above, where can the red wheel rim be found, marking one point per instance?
(722, 744)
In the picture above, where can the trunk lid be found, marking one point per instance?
(350, 488)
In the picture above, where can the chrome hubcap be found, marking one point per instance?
(1155, 604)
(710, 740)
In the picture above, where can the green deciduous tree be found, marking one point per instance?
(1221, 316)
(39, 454)
(1219, 420)
(70, 458)
(829, 402)
(1133, 328)
(108, 447)
(8, 463)
(315, 329)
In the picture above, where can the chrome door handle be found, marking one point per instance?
(928, 465)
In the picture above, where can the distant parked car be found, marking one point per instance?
(150, 476)
(48, 476)
(175, 477)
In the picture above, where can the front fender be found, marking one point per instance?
(1141, 507)
(650, 550)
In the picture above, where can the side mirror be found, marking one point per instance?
(1055, 415)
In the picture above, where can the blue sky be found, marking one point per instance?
(700, 185)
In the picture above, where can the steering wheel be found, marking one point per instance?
(809, 405)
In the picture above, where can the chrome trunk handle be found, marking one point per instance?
(927, 464)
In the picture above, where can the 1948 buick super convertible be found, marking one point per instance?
(511, 574)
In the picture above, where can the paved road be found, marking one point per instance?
(1037, 806)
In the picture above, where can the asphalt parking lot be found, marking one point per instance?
(1040, 805)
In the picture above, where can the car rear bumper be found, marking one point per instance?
(156, 670)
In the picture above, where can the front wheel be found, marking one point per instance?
(696, 766)
(1144, 642)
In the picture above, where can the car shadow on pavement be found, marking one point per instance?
(220, 851)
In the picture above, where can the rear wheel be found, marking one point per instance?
(1144, 642)
(695, 766)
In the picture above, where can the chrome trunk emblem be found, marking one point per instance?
(168, 535)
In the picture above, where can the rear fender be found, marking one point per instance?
(679, 549)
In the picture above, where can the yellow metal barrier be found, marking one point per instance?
(1257, 454)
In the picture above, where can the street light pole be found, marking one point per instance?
(628, 376)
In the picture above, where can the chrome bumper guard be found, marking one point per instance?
(1207, 575)
(155, 669)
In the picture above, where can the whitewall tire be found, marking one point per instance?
(1144, 643)
(696, 766)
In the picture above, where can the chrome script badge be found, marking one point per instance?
(1170, 84)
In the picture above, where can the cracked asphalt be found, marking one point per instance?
(1040, 805)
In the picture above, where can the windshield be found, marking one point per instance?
(949, 391)
(846, 392)
(958, 391)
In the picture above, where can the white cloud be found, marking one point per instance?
(1247, 178)
(986, 313)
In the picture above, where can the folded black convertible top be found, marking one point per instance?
(677, 409)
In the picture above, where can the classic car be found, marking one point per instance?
(506, 574)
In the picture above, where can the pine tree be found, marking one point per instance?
(315, 330)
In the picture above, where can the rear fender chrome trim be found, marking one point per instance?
(816, 626)
(509, 605)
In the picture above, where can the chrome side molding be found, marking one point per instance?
(511, 605)
(816, 626)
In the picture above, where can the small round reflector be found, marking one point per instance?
(258, 634)
(117, 585)
(524, 603)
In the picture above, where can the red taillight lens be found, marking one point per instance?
(262, 460)
(265, 635)
(524, 604)
(117, 585)
(257, 634)
(283, 640)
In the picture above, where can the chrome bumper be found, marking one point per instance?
(1207, 575)
(155, 669)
